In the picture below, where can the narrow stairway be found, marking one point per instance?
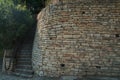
(23, 66)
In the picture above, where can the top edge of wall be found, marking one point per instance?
(93, 1)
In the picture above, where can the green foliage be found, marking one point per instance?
(47, 2)
(34, 6)
(15, 20)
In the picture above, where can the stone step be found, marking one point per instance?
(28, 41)
(27, 57)
(27, 48)
(24, 59)
(26, 51)
(21, 66)
(31, 35)
(24, 56)
(23, 75)
(28, 44)
(24, 71)
(24, 62)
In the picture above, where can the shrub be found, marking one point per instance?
(15, 20)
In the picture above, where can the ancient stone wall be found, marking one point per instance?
(78, 38)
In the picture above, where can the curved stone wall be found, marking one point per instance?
(78, 38)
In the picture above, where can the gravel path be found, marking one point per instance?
(11, 77)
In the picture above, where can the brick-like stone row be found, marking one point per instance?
(78, 38)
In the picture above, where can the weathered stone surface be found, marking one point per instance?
(68, 78)
(78, 38)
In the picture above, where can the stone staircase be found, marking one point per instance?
(23, 67)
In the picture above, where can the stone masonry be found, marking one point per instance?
(78, 38)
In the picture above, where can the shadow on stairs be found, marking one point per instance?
(23, 66)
